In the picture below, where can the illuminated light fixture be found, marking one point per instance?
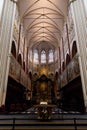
(43, 103)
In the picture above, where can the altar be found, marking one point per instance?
(43, 90)
(44, 110)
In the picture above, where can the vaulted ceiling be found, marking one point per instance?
(43, 20)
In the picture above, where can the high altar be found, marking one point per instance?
(44, 110)
(44, 91)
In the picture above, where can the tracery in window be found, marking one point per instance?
(56, 57)
(31, 55)
(50, 56)
(36, 56)
(43, 56)
(85, 3)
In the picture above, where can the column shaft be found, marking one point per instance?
(81, 38)
(6, 33)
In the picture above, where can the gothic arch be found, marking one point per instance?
(13, 49)
(24, 65)
(63, 66)
(20, 59)
(74, 49)
(67, 59)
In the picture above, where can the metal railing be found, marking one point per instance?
(74, 123)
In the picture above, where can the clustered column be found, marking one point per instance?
(81, 37)
(6, 33)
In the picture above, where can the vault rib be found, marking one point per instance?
(32, 26)
(43, 8)
(56, 7)
(31, 6)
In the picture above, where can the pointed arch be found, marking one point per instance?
(74, 49)
(13, 49)
(63, 66)
(43, 56)
(67, 59)
(24, 65)
(20, 59)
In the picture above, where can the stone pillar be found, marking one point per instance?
(6, 33)
(59, 58)
(19, 41)
(27, 62)
(47, 60)
(24, 50)
(39, 53)
(63, 50)
(32, 61)
(54, 61)
(80, 22)
(67, 31)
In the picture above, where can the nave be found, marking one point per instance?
(43, 64)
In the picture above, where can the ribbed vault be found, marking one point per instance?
(43, 20)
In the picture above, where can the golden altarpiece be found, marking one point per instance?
(43, 91)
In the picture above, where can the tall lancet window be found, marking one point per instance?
(50, 56)
(31, 55)
(1, 7)
(56, 57)
(85, 3)
(43, 56)
(36, 58)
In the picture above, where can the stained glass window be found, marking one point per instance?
(50, 56)
(43, 56)
(36, 56)
(85, 3)
(56, 56)
(31, 55)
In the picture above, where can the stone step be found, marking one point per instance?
(26, 124)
